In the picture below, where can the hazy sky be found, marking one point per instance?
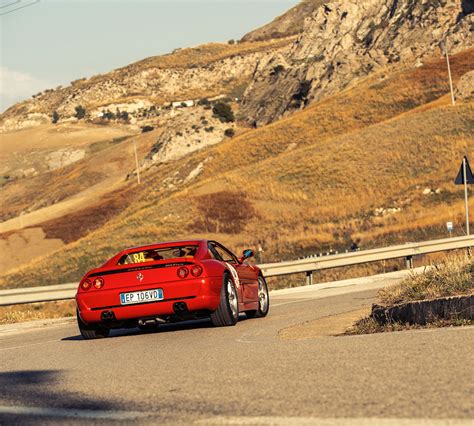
(56, 41)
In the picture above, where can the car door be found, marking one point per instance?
(222, 256)
(248, 276)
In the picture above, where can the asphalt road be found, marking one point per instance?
(247, 374)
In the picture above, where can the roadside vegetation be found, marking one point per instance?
(453, 276)
(37, 311)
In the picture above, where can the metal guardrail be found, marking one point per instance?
(49, 293)
(308, 266)
(407, 251)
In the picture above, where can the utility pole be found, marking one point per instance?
(464, 171)
(136, 161)
(453, 101)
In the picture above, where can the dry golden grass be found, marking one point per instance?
(451, 277)
(187, 58)
(36, 311)
(204, 55)
(368, 325)
(312, 180)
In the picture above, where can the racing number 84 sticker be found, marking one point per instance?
(235, 276)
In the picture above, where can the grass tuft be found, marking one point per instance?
(453, 276)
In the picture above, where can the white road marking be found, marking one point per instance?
(359, 421)
(29, 344)
(72, 412)
(34, 325)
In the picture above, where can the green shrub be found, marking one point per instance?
(80, 112)
(108, 115)
(122, 115)
(277, 70)
(229, 133)
(147, 129)
(55, 117)
(223, 112)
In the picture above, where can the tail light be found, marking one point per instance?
(182, 272)
(86, 285)
(99, 282)
(196, 270)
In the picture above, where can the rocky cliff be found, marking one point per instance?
(194, 73)
(343, 41)
(289, 24)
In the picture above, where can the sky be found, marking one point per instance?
(54, 42)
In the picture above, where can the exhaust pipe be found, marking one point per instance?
(153, 321)
(179, 307)
(107, 316)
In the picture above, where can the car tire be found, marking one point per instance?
(228, 311)
(263, 301)
(91, 332)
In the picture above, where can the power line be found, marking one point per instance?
(11, 4)
(18, 8)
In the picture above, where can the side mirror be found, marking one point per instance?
(246, 254)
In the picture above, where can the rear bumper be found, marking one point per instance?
(198, 294)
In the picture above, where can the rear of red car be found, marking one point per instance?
(149, 283)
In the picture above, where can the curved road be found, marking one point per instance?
(247, 374)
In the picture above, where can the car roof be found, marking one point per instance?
(167, 243)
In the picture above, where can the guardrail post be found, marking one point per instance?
(409, 262)
(309, 278)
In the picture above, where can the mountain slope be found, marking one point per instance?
(140, 88)
(355, 165)
(344, 41)
(288, 24)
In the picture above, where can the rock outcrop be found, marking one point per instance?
(346, 40)
(291, 23)
(465, 87)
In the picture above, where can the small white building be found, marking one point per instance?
(181, 104)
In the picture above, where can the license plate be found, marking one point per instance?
(141, 296)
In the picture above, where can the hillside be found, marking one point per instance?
(342, 42)
(143, 88)
(291, 23)
(303, 143)
(355, 165)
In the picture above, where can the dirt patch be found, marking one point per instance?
(333, 325)
(223, 211)
(73, 226)
(18, 248)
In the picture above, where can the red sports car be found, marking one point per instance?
(167, 282)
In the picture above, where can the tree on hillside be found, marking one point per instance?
(80, 112)
(223, 112)
(124, 116)
(230, 133)
(55, 117)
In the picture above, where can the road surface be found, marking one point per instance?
(247, 374)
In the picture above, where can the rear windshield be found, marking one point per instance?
(143, 256)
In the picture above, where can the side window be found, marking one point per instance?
(226, 255)
(214, 253)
